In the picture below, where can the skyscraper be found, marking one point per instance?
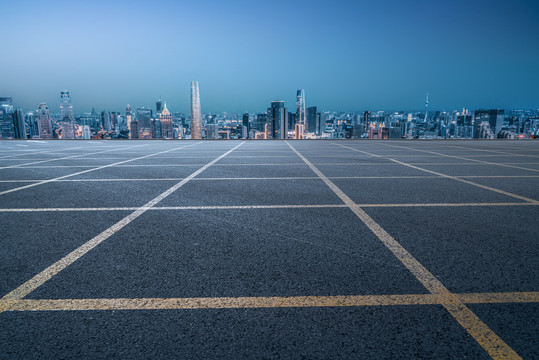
(67, 121)
(300, 107)
(166, 123)
(246, 126)
(196, 114)
(18, 124)
(277, 120)
(310, 115)
(7, 129)
(44, 122)
(158, 106)
(494, 117)
(129, 121)
(144, 119)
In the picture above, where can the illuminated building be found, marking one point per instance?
(144, 119)
(129, 120)
(67, 122)
(7, 129)
(44, 122)
(166, 123)
(300, 108)
(196, 114)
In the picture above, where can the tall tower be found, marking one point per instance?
(196, 114)
(44, 122)
(300, 107)
(129, 120)
(166, 123)
(67, 121)
(277, 115)
(426, 107)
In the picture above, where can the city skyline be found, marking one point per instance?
(348, 56)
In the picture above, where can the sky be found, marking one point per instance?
(347, 55)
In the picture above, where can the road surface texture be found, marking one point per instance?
(269, 249)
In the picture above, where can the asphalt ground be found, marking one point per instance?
(269, 249)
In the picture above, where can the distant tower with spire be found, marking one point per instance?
(166, 123)
(426, 107)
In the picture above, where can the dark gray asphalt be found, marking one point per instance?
(267, 252)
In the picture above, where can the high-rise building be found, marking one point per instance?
(300, 107)
(494, 117)
(106, 123)
(261, 120)
(44, 122)
(7, 129)
(310, 115)
(366, 120)
(246, 126)
(321, 123)
(196, 114)
(129, 121)
(166, 123)
(67, 118)
(158, 106)
(144, 119)
(277, 120)
(18, 124)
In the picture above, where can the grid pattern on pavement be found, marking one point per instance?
(447, 228)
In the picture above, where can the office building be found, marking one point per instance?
(300, 107)
(277, 120)
(67, 119)
(246, 126)
(166, 123)
(494, 117)
(44, 122)
(7, 129)
(311, 116)
(144, 119)
(196, 114)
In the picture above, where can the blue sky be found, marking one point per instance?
(347, 55)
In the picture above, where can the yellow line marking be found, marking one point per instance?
(283, 206)
(260, 302)
(67, 260)
(491, 342)
(446, 176)
(90, 170)
(468, 159)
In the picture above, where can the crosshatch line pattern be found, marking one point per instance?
(308, 181)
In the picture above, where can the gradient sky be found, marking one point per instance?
(347, 55)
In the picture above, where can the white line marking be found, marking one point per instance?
(39, 279)
(89, 170)
(444, 175)
(284, 206)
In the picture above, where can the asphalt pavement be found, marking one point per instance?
(269, 249)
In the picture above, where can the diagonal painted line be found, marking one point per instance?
(90, 170)
(491, 342)
(64, 158)
(67, 260)
(36, 152)
(492, 151)
(444, 175)
(467, 159)
(259, 302)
